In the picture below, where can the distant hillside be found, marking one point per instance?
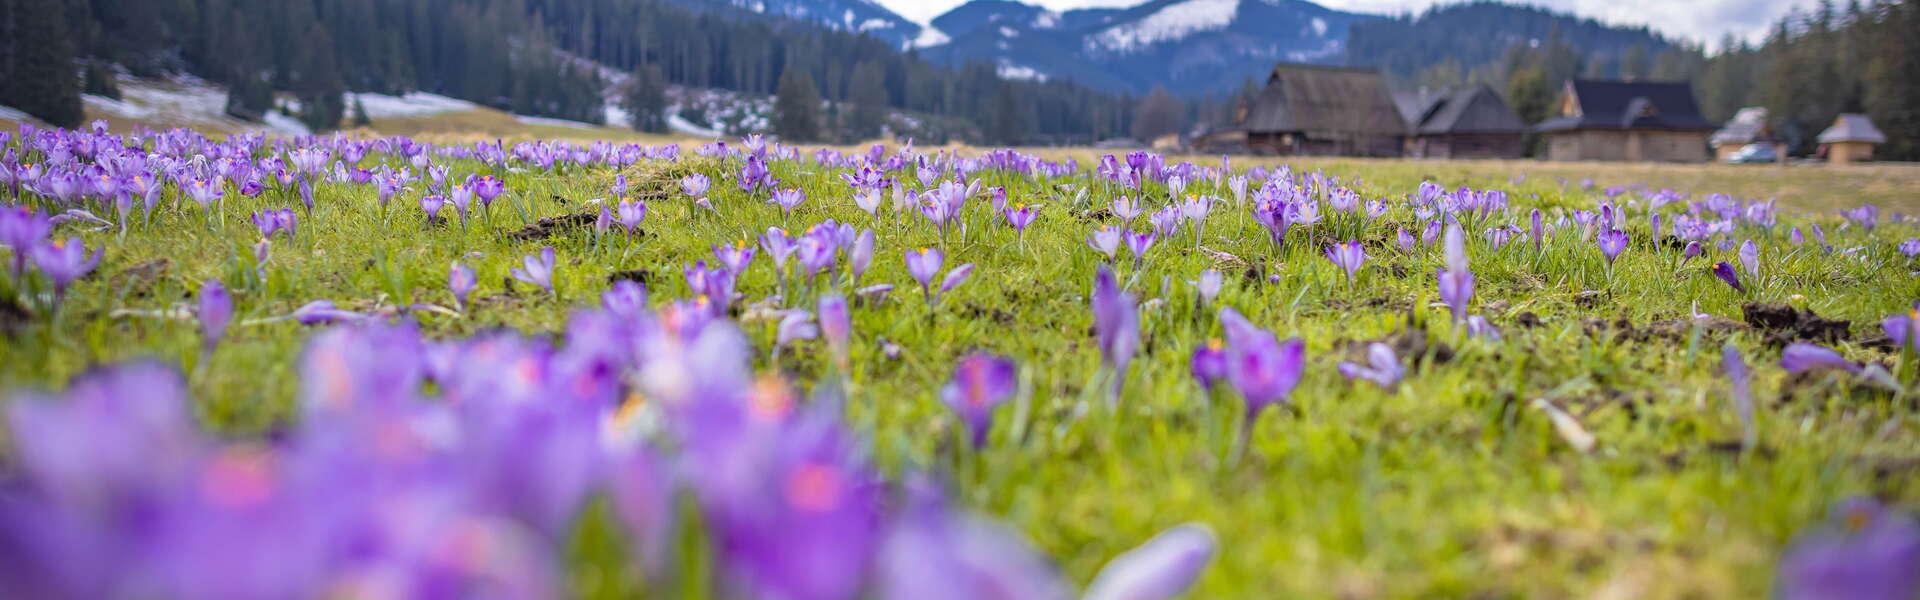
(1188, 46)
(1481, 33)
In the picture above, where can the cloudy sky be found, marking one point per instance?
(1700, 20)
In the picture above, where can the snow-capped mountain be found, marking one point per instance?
(1186, 45)
(862, 16)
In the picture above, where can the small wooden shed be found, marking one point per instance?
(1749, 126)
(1851, 139)
(1471, 122)
(1627, 121)
(1321, 110)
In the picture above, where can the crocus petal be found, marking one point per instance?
(1162, 568)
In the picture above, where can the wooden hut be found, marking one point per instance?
(1470, 122)
(1627, 121)
(1851, 139)
(1320, 110)
(1749, 126)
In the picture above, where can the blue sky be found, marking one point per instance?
(1699, 20)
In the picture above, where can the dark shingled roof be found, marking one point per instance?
(1630, 105)
(1473, 109)
(1330, 100)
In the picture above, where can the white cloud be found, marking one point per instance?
(1698, 20)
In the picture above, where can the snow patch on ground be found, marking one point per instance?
(1171, 22)
(618, 117)
(1319, 27)
(183, 101)
(13, 114)
(681, 125)
(416, 104)
(1047, 19)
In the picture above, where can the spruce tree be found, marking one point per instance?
(869, 98)
(317, 82)
(796, 108)
(41, 79)
(646, 100)
(358, 115)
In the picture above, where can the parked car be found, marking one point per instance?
(1754, 153)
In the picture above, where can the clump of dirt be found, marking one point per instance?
(13, 317)
(1408, 344)
(1528, 320)
(137, 278)
(1785, 324)
(640, 276)
(1670, 329)
(998, 315)
(550, 226)
(1098, 214)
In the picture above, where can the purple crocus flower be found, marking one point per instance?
(1800, 357)
(1161, 569)
(736, 257)
(461, 281)
(1725, 272)
(1019, 216)
(538, 269)
(981, 383)
(1208, 286)
(1116, 324)
(1139, 243)
(860, 256)
(1209, 364)
(216, 311)
(1456, 281)
(696, 185)
(431, 203)
(1866, 551)
(1536, 229)
(816, 252)
(22, 229)
(1383, 367)
(796, 325)
(924, 264)
(1106, 241)
(1693, 250)
(836, 325)
(789, 198)
(1612, 243)
(631, 214)
(956, 277)
(627, 299)
(64, 262)
(486, 188)
(1750, 259)
(779, 246)
(1261, 368)
(1405, 240)
(1903, 329)
(1910, 248)
(1349, 256)
(323, 312)
(935, 552)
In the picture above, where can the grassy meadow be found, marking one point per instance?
(1454, 483)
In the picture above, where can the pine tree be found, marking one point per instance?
(869, 98)
(359, 116)
(646, 100)
(317, 83)
(41, 79)
(99, 80)
(1006, 122)
(796, 108)
(1159, 114)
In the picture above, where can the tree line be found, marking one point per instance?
(535, 57)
